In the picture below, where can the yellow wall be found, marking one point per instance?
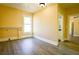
(46, 23)
(67, 12)
(75, 22)
(72, 11)
(11, 18)
(62, 11)
(76, 27)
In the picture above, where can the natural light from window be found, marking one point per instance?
(27, 24)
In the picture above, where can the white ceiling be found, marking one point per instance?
(30, 7)
(33, 7)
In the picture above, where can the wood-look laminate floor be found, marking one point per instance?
(32, 46)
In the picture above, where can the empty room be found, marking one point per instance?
(39, 28)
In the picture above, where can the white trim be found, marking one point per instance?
(3, 39)
(7, 38)
(46, 40)
(13, 38)
(25, 36)
(76, 35)
(24, 24)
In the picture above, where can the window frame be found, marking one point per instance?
(27, 24)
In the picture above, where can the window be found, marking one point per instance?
(27, 24)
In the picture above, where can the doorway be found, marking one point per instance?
(74, 27)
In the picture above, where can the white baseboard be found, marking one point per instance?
(76, 35)
(46, 40)
(7, 38)
(26, 36)
(13, 38)
(3, 39)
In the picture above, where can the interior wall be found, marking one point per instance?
(62, 11)
(11, 21)
(76, 27)
(67, 13)
(45, 23)
(72, 11)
